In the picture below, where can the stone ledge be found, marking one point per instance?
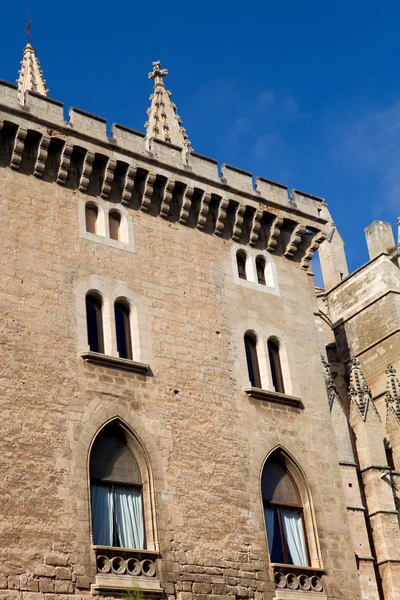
(125, 364)
(276, 397)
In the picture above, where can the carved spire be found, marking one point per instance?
(392, 397)
(359, 391)
(30, 75)
(164, 123)
(333, 393)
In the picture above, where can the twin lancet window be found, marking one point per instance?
(94, 320)
(250, 344)
(93, 225)
(261, 265)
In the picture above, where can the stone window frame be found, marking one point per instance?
(103, 237)
(111, 291)
(271, 278)
(267, 392)
(310, 524)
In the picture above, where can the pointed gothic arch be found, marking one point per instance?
(289, 516)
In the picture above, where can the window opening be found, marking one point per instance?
(123, 330)
(275, 363)
(250, 344)
(116, 492)
(114, 218)
(283, 512)
(260, 268)
(91, 214)
(94, 323)
(241, 265)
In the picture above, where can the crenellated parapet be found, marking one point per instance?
(164, 180)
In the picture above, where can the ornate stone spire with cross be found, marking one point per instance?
(392, 397)
(164, 123)
(30, 75)
(359, 390)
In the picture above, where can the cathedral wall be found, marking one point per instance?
(204, 438)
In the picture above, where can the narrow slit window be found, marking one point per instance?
(260, 268)
(94, 323)
(114, 218)
(91, 215)
(275, 364)
(250, 344)
(123, 330)
(241, 264)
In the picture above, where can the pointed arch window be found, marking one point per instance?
(114, 219)
(260, 268)
(275, 364)
(123, 330)
(116, 492)
(241, 259)
(91, 216)
(283, 513)
(250, 344)
(94, 322)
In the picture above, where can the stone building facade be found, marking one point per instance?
(165, 422)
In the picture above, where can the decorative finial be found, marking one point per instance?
(158, 73)
(28, 28)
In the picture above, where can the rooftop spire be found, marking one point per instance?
(359, 390)
(30, 75)
(393, 390)
(164, 123)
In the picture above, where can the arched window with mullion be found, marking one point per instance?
(94, 322)
(116, 492)
(250, 344)
(283, 511)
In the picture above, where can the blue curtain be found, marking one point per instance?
(129, 517)
(102, 515)
(269, 522)
(293, 526)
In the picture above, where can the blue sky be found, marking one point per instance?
(305, 93)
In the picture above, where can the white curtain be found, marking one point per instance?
(102, 515)
(270, 524)
(293, 525)
(129, 517)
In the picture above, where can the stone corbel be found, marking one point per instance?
(128, 185)
(223, 207)
(108, 178)
(204, 208)
(41, 158)
(86, 171)
(65, 161)
(317, 239)
(186, 204)
(295, 240)
(239, 219)
(255, 228)
(274, 234)
(148, 192)
(19, 144)
(167, 199)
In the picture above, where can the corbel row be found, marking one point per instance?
(247, 224)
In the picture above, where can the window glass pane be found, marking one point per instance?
(241, 265)
(102, 514)
(91, 218)
(260, 266)
(252, 361)
(274, 536)
(123, 331)
(111, 459)
(275, 363)
(277, 486)
(94, 324)
(294, 537)
(129, 519)
(115, 224)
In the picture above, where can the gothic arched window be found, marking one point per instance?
(250, 344)
(123, 329)
(241, 264)
(275, 364)
(94, 322)
(283, 512)
(260, 268)
(116, 491)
